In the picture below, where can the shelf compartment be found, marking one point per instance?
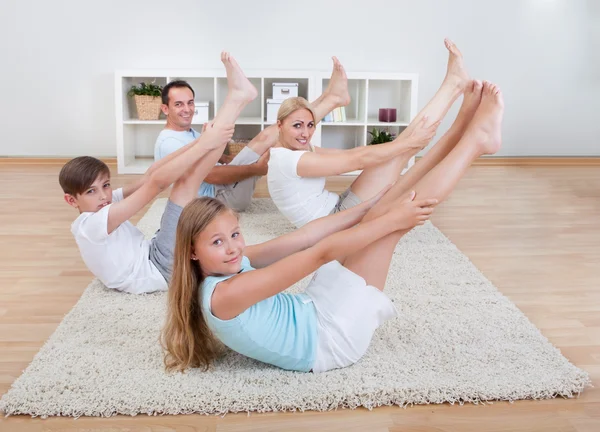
(129, 109)
(356, 109)
(343, 137)
(389, 94)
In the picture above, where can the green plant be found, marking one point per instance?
(380, 137)
(144, 89)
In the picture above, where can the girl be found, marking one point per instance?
(297, 170)
(224, 291)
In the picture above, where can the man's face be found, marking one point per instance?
(180, 110)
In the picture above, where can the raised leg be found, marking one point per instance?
(266, 139)
(335, 95)
(471, 100)
(240, 93)
(373, 179)
(483, 136)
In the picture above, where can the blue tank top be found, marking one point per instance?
(280, 330)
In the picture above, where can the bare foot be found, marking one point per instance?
(471, 100)
(239, 86)
(268, 138)
(487, 122)
(338, 84)
(456, 74)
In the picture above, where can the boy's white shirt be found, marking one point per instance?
(119, 259)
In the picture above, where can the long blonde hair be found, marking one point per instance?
(186, 337)
(291, 105)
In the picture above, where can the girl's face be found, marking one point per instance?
(296, 130)
(220, 246)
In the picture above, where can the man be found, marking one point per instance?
(232, 183)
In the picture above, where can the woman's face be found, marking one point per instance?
(297, 129)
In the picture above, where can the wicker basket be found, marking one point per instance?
(148, 107)
(234, 147)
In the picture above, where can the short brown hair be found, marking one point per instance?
(78, 174)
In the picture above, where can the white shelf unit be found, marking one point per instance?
(136, 138)
(369, 92)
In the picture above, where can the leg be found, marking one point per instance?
(240, 93)
(481, 137)
(471, 100)
(335, 95)
(238, 195)
(266, 139)
(373, 179)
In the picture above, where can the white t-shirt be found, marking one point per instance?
(119, 259)
(300, 199)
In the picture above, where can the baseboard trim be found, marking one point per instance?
(486, 161)
(45, 161)
(538, 161)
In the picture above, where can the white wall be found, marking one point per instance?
(59, 58)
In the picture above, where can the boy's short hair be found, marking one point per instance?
(175, 84)
(77, 175)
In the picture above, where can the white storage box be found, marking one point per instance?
(200, 113)
(272, 108)
(282, 91)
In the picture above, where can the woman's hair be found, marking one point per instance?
(291, 105)
(186, 338)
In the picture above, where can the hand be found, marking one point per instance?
(214, 136)
(365, 206)
(421, 135)
(225, 159)
(206, 125)
(262, 164)
(409, 213)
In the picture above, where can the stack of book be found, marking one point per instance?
(337, 115)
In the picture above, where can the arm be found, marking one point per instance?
(169, 149)
(235, 173)
(326, 163)
(167, 171)
(264, 254)
(227, 174)
(235, 295)
(319, 149)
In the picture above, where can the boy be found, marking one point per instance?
(113, 249)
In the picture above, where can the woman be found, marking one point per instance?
(297, 170)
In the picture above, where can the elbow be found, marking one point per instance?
(158, 182)
(360, 159)
(210, 179)
(324, 256)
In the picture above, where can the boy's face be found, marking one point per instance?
(98, 195)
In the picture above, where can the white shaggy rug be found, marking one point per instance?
(456, 339)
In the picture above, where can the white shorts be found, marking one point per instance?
(348, 313)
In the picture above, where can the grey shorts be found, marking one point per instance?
(347, 200)
(239, 195)
(162, 245)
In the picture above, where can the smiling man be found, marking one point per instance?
(233, 183)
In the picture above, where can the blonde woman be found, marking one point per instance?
(297, 170)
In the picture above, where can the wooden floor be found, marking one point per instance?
(533, 231)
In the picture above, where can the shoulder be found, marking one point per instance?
(285, 157)
(169, 141)
(210, 282)
(92, 226)
(117, 195)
